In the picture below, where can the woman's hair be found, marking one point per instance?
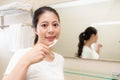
(84, 36)
(37, 15)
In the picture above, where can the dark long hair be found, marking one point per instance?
(37, 15)
(84, 36)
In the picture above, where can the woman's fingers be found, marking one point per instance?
(38, 53)
(43, 48)
(41, 56)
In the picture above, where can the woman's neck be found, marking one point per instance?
(50, 57)
(88, 43)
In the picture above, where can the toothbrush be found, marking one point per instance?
(53, 43)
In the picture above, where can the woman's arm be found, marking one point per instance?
(99, 46)
(35, 55)
(19, 72)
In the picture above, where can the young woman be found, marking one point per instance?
(86, 45)
(39, 62)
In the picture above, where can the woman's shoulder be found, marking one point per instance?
(58, 55)
(86, 48)
(24, 49)
(21, 52)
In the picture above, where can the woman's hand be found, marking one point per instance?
(99, 46)
(37, 54)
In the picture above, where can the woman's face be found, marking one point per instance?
(95, 38)
(48, 28)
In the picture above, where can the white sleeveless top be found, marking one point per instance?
(40, 71)
(89, 53)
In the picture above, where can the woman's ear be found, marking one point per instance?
(93, 35)
(94, 38)
(35, 31)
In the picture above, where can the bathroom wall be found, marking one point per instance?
(96, 67)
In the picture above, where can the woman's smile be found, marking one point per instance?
(50, 38)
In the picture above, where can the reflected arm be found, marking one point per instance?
(99, 46)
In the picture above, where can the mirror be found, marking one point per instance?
(102, 14)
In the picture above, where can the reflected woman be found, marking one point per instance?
(88, 47)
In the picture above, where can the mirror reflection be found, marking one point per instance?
(103, 15)
(88, 45)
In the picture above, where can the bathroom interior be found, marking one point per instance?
(76, 15)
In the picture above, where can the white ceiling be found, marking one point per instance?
(35, 3)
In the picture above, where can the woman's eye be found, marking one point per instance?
(44, 25)
(56, 25)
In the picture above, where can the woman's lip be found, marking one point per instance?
(51, 38)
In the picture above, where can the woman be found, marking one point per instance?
(86, 45)
(39, 62)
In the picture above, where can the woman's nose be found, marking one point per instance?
(51, 29)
